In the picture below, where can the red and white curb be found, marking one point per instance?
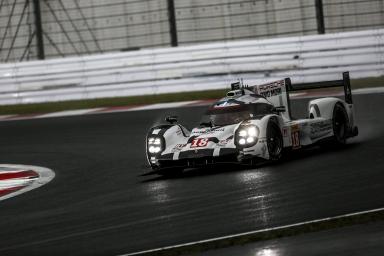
(169, 105)
(18, 179)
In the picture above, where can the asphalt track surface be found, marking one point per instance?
(99, 205)
(367, 239)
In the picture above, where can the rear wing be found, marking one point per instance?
(278, 92)
(345, 82)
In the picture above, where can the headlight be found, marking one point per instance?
(247, 136)
(153, 149)
(155, 145)
(243, 133)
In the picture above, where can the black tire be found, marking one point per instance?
(274, 141)
(340, 124)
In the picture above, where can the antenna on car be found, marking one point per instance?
(242, 85)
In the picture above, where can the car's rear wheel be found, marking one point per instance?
(274, 141)
(340, 124)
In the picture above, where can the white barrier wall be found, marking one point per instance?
(194, 68)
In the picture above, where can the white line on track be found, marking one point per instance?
(368, 90)
(253, 232)
(164, 105)
(69, 113)
(5, 116)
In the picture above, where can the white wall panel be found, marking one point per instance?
(191, 68)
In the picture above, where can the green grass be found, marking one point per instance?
(367, 82)
(142, 100)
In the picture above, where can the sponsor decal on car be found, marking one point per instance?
(320, 129)
(223, 143)
(272, 89)
(295, 136)
(178, 147)
(208, 131)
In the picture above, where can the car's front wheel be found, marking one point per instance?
(274, 141)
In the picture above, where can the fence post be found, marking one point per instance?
(320, 16)
(39, 30)
(172, 22)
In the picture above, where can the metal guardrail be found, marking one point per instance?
(193, 68)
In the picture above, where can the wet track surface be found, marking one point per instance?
(98, 204)
(367, 239)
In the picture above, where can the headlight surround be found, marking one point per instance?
(155, 145)
(246, 136)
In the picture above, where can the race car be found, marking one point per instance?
(252, 124)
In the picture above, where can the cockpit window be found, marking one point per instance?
(221, 116)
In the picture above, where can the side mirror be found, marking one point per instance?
(171, 119)
(280, 109)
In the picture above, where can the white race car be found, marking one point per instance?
(252, 124)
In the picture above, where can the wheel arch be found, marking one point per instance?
(263, 124)
(323, 108)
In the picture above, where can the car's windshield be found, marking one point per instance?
(220, 116)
